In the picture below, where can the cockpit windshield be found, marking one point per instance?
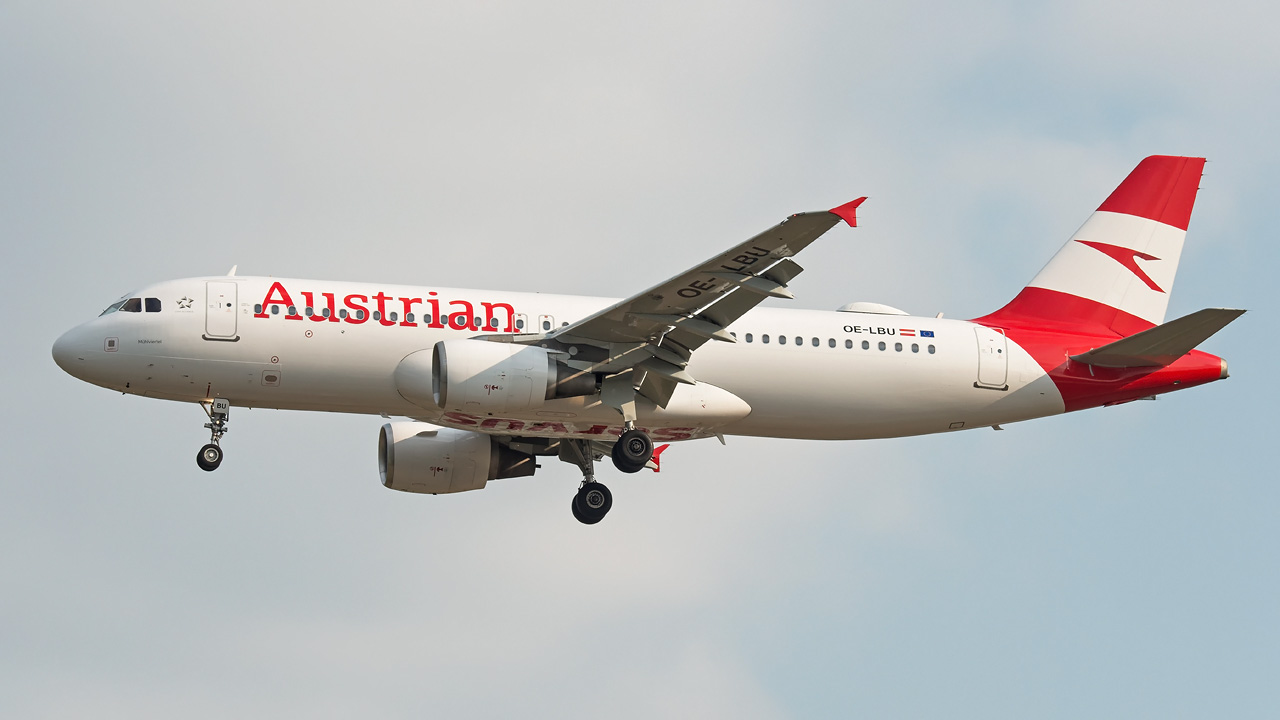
(133, 305)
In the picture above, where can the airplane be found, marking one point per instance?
(491, 381)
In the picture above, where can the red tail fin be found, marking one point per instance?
(1117, 270)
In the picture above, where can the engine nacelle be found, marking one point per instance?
(483, 376)
(422, 458)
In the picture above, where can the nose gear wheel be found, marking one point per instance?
(209, 457)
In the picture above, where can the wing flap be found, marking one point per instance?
(1163, 344)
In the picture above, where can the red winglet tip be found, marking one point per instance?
(657, 464)
(848, 212)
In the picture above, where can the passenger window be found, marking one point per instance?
(764, 339)
(153, 304)
(931, 349)
(897, 347)
(519, 323)
(782, 339)
(377, 315)
(257, 309)
(866, 345)
(882, 345)
(848, 344)
(342, 313)
(394, 316)
(426, 319)
(915, 347)
(132, 305)
(799, 340)
(275, 309)
(293, 310)
(546, 324)
(815, 342)
(749, 337)
(325, 312)
(831, 342)
(360, 314)
(308, 311)
(408, 317)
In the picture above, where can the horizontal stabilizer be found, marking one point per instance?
(1162, 344)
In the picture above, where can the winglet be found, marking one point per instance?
(848, 211)
(655, 464)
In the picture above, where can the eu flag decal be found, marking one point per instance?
(926, 333)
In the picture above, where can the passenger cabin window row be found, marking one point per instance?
(831, 342)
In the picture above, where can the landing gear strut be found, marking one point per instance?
(593, 500)
(210, 456)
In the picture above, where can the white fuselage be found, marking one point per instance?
(213, 337)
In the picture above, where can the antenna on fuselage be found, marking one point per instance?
(232, 271)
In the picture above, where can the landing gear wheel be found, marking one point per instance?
(579, 516)
(209, 457)
(632, 451)
(592, 503)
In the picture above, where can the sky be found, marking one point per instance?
(1113, 562)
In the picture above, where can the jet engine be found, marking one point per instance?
(422, 458)
(478, 375)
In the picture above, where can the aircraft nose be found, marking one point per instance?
(69, 352)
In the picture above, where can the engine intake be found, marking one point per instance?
(422, 458)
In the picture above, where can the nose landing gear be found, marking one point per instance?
(210, 456)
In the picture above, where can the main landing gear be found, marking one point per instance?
(630, 454)
(591, 503)
(210, 456)
(632, 451)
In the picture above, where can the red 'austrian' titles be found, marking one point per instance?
(458, 314)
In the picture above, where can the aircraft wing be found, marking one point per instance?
(654, 333)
